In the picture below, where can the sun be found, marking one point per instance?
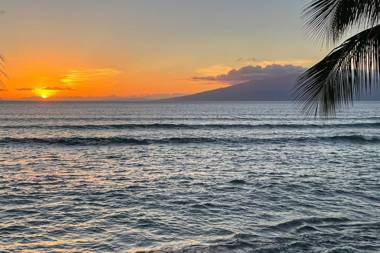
(43, 93)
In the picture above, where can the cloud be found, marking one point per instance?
(24, 89)
(148, 97)
(57, 88)
(82, 75)
(214, 70)
(47, 88)
(249, 59)
(265, 62)
(248, 73)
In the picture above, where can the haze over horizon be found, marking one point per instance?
(142, 49)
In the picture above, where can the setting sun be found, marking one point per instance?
(43, 93)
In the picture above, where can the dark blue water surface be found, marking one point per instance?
(208, 177)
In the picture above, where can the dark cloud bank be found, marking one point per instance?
(250, 73)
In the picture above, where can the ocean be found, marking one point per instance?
(190, 177)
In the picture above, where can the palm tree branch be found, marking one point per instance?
(347, 72)
(331, 19)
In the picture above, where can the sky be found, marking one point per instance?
(96, 49)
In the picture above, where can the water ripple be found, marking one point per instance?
(279, 183)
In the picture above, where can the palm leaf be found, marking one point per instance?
(331, 19)
(3, 74)
(347, 72)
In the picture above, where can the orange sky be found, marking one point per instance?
(94, 49)
(55, 76)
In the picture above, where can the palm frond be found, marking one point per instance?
(347, 72)
(3, 74)
(2, 66)
(329, 20)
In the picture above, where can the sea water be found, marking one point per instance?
(195, 177)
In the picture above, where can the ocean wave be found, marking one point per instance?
(303, 223)
(116, 140)
(194, 126)
(121, 118)
(164, 118)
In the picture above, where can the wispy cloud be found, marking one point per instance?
(295, 62)
(147, 97)
(248, 73)
(247, 59)
(82, 75)
(69, 80)
(214, 70)
(24, 89)
(266, 62)
(47, 88)
(57, 88)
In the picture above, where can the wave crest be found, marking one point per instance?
(117, 140)
(195, 126)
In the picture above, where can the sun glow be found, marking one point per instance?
(43, 93)
(55, 77)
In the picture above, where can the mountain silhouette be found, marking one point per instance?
(277, 88)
